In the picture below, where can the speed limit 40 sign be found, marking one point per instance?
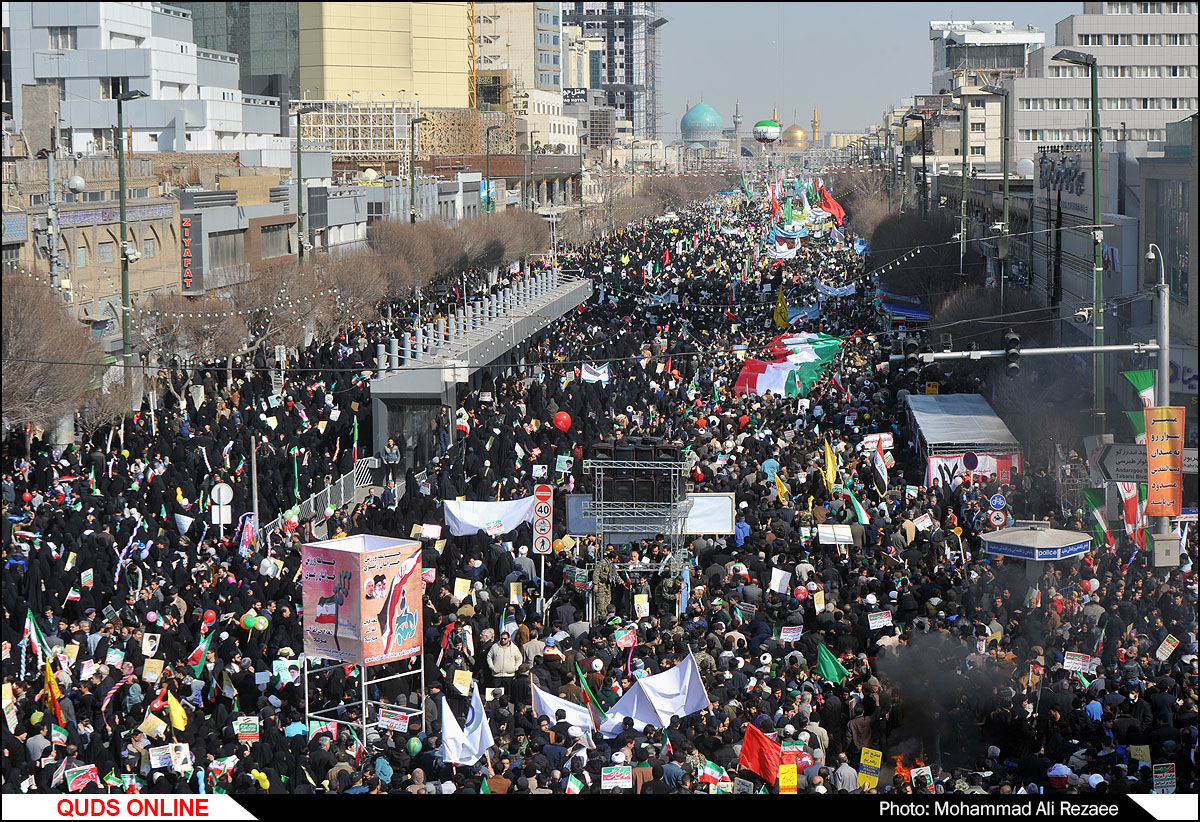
(543, 519)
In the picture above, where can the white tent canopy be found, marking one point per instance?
(955, 420)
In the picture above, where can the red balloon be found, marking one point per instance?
(210, 617)
(802, 593)
(27, 496)
(562, 421)
(701, 423)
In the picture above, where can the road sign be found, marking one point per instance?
(1123, 462)
(998, 502)
(970, 461)
(931, 387)
(997, 518)
(222, 493)
(222, 515)
(543, 519)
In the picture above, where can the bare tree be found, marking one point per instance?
(46, 354)
(447, 246)
(178, 332)
(973, 314)
(353, 285)
(398, 243)
(106, 406)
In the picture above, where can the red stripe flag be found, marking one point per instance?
(760, 754)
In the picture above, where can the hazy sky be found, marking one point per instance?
(850, 60)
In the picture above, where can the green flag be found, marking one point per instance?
(787, 211)
(591, 696)
(1093, 499)
(828, 666)
(858, 509)
(483, 787)
(1137, 421)
(1143, 383)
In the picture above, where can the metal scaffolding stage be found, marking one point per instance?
(369, 708)
(665, 517)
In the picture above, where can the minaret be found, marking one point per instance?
(815, 136)
(737, 119)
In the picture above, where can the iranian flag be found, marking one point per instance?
(1093, 498)
(1133, 511)
(198, 656)
(112, 780)
(1143, 383)
(574, 785)
(327, 610)
(220, 767)
(863, 519)
(712, 772)
(79, 778)
(58, 735)
(1137, 421)
(33, 636)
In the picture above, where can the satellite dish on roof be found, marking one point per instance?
(986, 28)
(1025, 168)
(370, 175)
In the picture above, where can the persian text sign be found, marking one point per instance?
(1164, 460)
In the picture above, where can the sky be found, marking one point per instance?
(849, 60)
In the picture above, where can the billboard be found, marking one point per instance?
(362, 599)
(1164, 460)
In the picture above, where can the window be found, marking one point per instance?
(978, 127)
(63, 37)
(1117, 40)
(94, 196)
(1029, 103)
(226, 248)
(978, 151)
(105, 252)
(1091, 39)
(113, 87)
(1173, 225)
(978, 103)
(1147, 40)
(138, 193)
(274, 240)
(38, 199)
(81, 257)
(147, 249)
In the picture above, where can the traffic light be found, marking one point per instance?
(1012, 353)
(912, 360)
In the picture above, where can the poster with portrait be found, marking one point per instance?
(329, 574)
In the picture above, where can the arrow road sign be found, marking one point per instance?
(1124, 462)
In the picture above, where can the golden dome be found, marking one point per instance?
(793, 135)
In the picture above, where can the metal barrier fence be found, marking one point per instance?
(336, 494)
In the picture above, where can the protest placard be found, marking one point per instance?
(787, 778)
(1164, 777)
(152, 670)
(160, 756)
(114, 657)
(150, 643)
(818, 600)
(869, 763)
(780, 580)
(462, 681)
(790, 633)
(618, 776)
(152, 726)
(879, 619)
(394, 719)
(462, 587)
(1076, 662)
(247, 729)
(641, 605)
(86, 577)
(516, 592)
(1167, 647)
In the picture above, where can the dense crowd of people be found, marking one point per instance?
(125, 614)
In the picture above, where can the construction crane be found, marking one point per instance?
(472, 74)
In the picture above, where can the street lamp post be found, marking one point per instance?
(412, 167)
(1079, 58)
(1162, 387)
(924, 168)
(300, 238)
(1003, 244)
(126, 344)
(487, 139)
(532, 184)
(962, 206)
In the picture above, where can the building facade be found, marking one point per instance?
(385, 51)
(1146, 59)
(264, 36)
(993, 48)
(93, 52)
(525, 38)
(630, 56)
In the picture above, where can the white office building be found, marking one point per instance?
(1146, 59)
(94, 52)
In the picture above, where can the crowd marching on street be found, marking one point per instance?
(906, 661)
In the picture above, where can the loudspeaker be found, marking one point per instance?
(602, 451)
(666, 453)
(620, 490)
(644, 453)
(646, 488)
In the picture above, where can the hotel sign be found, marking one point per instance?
(191, 244)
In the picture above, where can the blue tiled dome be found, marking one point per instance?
(702, 122)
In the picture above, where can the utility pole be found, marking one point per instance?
(1162, 381)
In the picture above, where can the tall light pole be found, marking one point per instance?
(1162, 387)
(531, 182)
(962, 206)
(126, 344)
(300, 238)
(487, 139)
(1080, 58)
(924, 168)
(1003, 243)
(412, 167)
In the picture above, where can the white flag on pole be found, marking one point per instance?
(465, 745)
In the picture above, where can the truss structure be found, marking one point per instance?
(361, 130)
(640, 515)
